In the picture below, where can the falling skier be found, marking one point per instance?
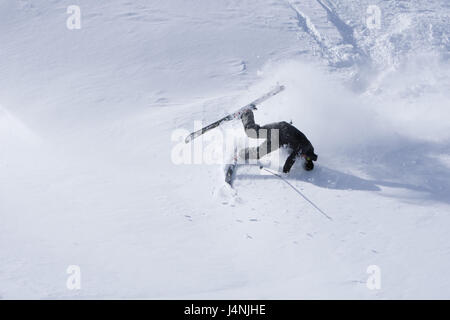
(288, 136)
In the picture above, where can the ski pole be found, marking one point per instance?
(298, 191)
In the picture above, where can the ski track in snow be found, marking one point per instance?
(330, 45)
(334, 38)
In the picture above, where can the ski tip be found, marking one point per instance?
(188, 139)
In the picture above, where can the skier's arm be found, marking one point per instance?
(290, 161)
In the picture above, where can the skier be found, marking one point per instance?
(288, 136)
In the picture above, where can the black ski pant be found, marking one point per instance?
(268, 132)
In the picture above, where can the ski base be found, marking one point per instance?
(230, 170)
(234, 115)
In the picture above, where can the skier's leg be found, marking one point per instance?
(253, 130)
(271, 133)
(269, 145)
(254, 153)
(250, 127)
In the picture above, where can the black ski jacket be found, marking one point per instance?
(289, 136)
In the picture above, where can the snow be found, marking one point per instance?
(88, 117)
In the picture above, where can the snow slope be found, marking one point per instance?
(89, 120)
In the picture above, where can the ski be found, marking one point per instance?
(230, 169)
(235, 115)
